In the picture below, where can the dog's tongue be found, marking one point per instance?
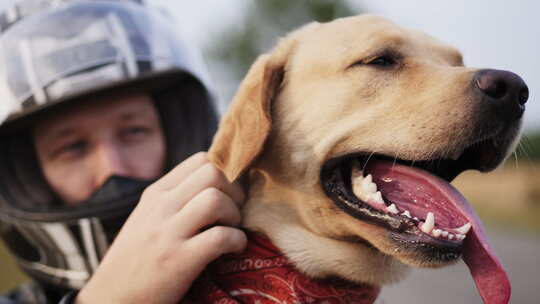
(488, 273)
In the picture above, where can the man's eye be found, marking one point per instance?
(383, 61)
(71, 149)
(75, 146)
(135, 131)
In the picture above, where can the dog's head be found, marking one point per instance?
(365, 124)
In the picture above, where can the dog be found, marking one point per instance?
(347, 135)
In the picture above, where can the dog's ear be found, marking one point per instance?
(244, 129)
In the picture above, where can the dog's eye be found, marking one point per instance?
(383, 61)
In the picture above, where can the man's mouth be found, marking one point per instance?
(425, 215)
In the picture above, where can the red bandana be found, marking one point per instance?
(262, 275)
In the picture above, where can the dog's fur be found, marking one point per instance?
(318, 96)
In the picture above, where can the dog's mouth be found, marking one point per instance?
(428, 219)
(402, 196)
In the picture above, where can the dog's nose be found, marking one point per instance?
(505, 91)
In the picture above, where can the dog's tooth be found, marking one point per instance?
(429, 224)
(444, 233)
(423, 227)
(357, 189)
(406, 213)
(460, 237)
(450, 236)
(437, 232)
(357, 183)
(368, 185)
(392, 209)
(416, 219)
(430, 219)
(463, 229)
(377, 197)
(368, 179)
(369, 188)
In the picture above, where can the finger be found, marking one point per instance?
(216, 241)
(178, 174)
(208, 176)
(209, 207)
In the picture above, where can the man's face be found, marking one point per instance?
(80, 148)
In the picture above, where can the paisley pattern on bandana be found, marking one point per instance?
(262, 275)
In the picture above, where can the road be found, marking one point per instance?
(520, 254)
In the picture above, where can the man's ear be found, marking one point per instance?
(243, 130)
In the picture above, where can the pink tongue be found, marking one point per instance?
(488, 272)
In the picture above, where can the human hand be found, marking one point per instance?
(182, 222)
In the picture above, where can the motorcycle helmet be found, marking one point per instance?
(56, 53)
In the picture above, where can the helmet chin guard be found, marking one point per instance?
(64, 245)
(56, 53)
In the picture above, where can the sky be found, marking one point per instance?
(497, 34)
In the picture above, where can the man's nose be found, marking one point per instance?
(109, 161)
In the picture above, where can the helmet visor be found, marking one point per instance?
(82, 46)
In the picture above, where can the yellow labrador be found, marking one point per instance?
(348, 134)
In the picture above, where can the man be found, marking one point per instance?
(98, 100)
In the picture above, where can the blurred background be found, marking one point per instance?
(490, 33)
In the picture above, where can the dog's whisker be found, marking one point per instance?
(523, 147)
(369, 157)
(394, 163)
(516, 162)
(396, 157)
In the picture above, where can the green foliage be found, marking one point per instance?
(264, 22)
(10, 276)
(529, 147)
